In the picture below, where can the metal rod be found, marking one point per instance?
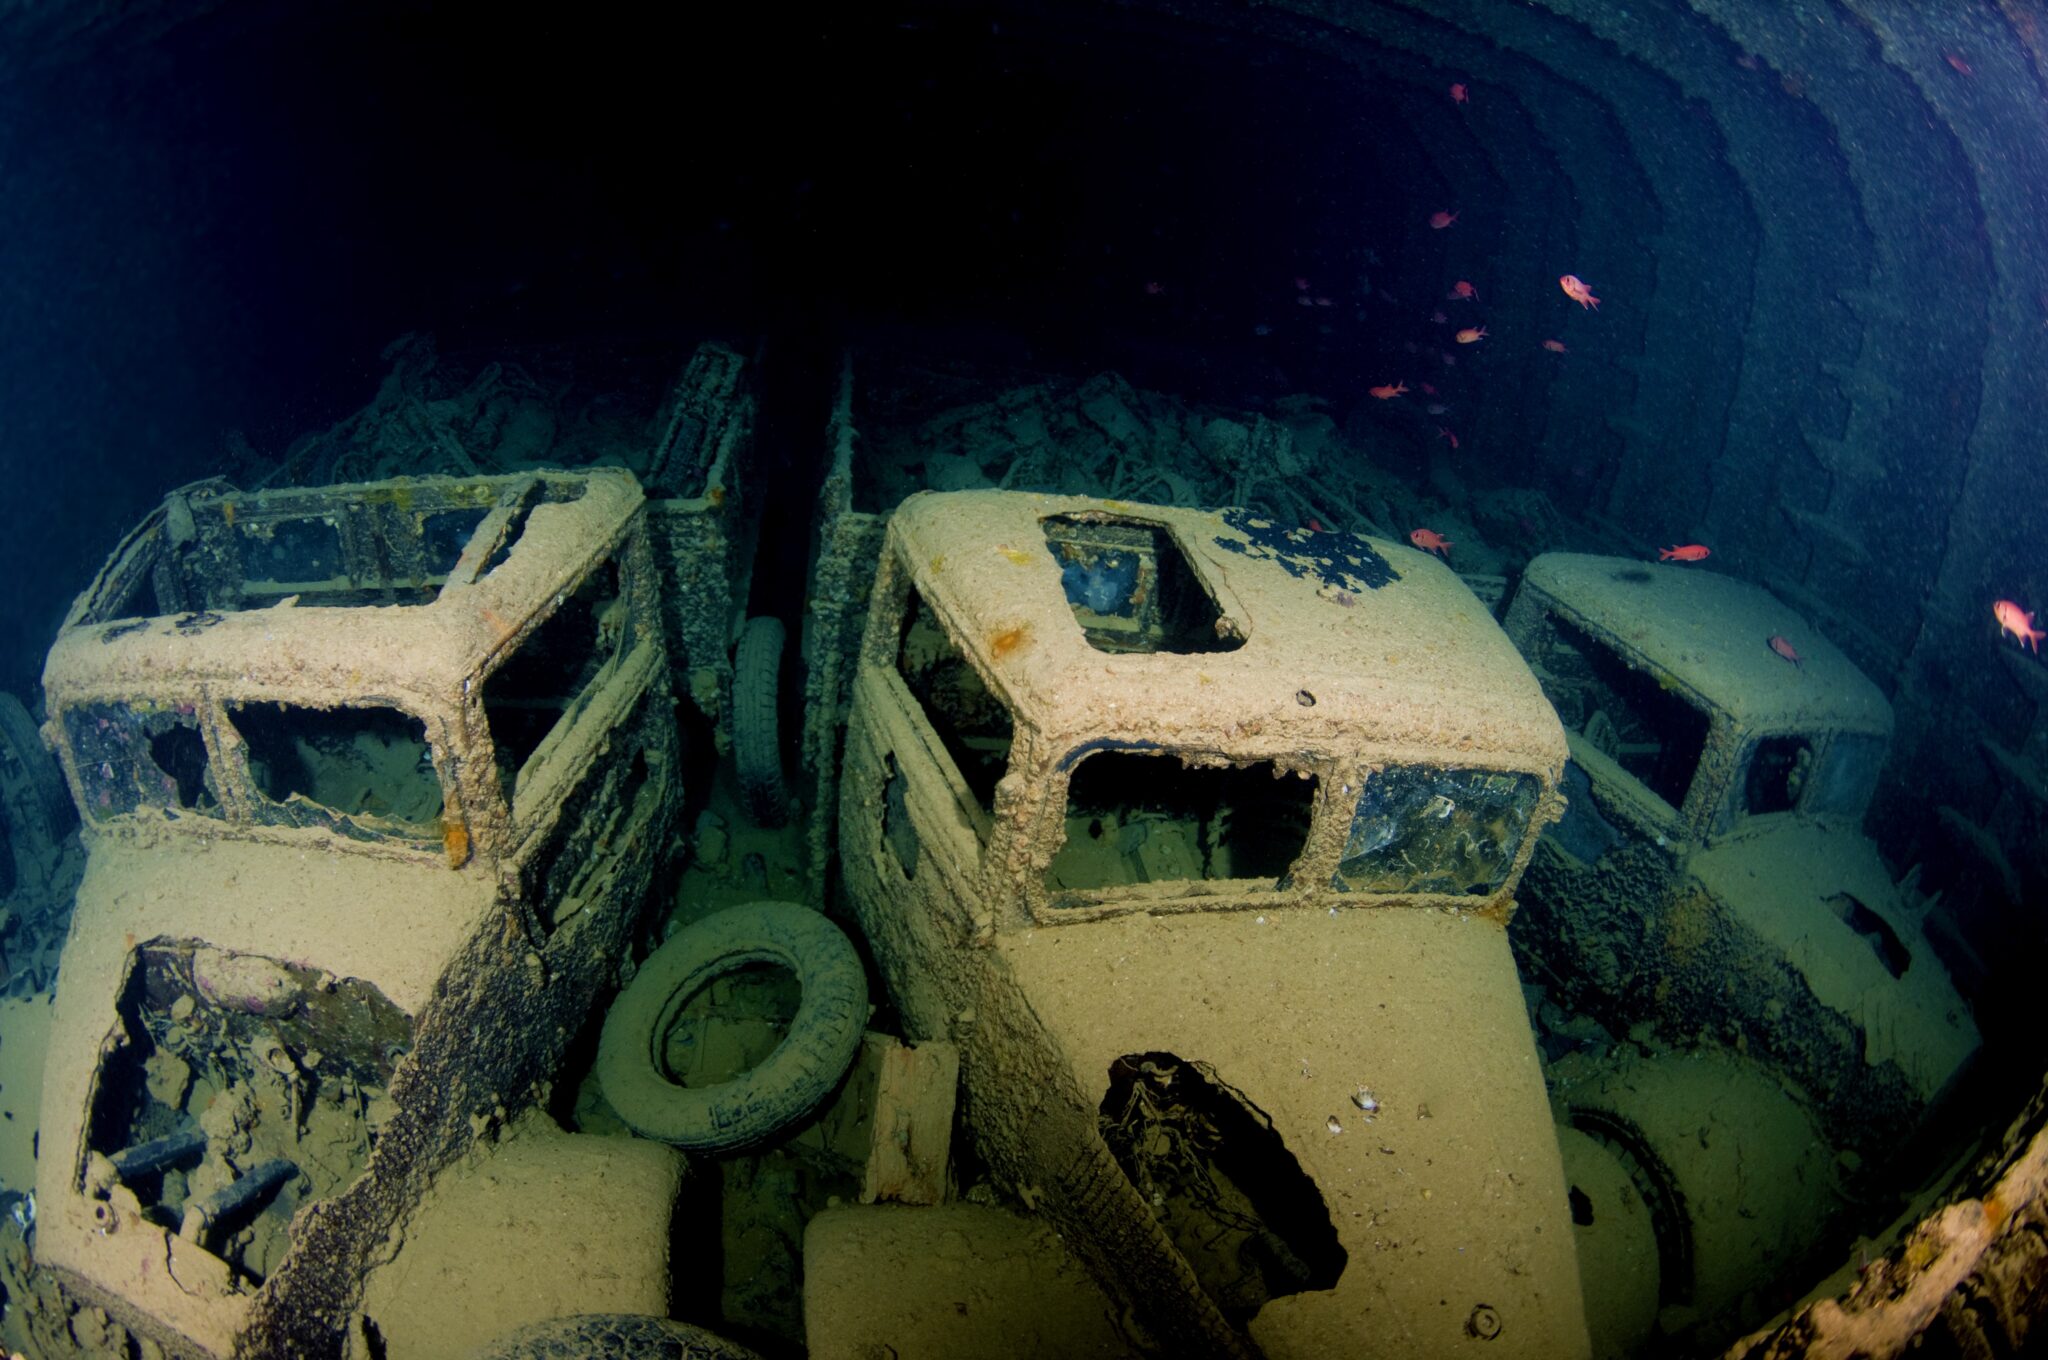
(157, 1153)
(205, 1211)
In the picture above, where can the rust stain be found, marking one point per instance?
(455, 840)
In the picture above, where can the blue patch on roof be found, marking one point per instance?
(1345, 561)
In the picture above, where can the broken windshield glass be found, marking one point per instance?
(1421, 828)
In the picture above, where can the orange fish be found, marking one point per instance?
(2017, 621)
(1785, 649)
(1387, 390)
(1459, 94)
(1575, 288)
(1441, 219)
(1463, 291)
(1443, 433)
(1555, 347)
(1690, 552)
(1429, 540)
(1471, 334)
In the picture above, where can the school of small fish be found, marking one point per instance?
(1457, 290)
(2012, 619)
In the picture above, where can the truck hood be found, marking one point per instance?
(1449, 1199)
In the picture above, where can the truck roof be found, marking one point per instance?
(1349, 642)
(1710, 635)
(535, 534)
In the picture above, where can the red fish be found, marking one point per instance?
(1427, 390)
(1438, 317)
(1441, 219)
(1471, 335)
(1386, 391)
(1429, 540)
(1442, 433)
(2017, 621)
(1689, 552)
(1463, 291)
(1577, 290)
(1785, 649)
(1459, 94)
(1957, 64)
(1555, 347)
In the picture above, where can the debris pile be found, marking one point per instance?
(435, 416)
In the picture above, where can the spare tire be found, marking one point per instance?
(631, 1059)
(756, 721)
(48, 799)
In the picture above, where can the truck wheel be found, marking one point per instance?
(613, 1336)
(756, 725)
(789, 1084)
(25, 744)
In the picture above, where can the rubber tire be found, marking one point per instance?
(613, 1336)
(53, 796)
(757, 721)
(789, 1083)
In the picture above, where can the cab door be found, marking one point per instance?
(927, 743)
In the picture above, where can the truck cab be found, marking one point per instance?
(1198, 835)
(1711, 875)
(373, 780)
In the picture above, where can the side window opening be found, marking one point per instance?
(1779, 768)
(1147, 817)
(897, 832)
(360, 771)
(565, 875)
(1232, 1197)
(1131, 588)
(1648, 729)
(971, 722)
(545, 684)
(136, 592)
